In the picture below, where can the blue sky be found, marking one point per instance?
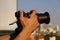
(51, 6)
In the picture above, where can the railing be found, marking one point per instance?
(6, 32)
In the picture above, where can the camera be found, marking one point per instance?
(42, 17)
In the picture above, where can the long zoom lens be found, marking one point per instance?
(42, 17)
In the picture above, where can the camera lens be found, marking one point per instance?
(43, 17)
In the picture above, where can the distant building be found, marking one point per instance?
(57, 28)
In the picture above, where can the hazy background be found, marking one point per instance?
(51, 6)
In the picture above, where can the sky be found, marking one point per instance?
(41, 6)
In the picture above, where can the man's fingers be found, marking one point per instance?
(33, 13)
(21, 13)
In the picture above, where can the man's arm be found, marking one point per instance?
(24, 34)
(5, 37)
(29, 24)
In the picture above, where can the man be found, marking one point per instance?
(29, 25)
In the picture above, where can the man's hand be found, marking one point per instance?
(31, 23)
